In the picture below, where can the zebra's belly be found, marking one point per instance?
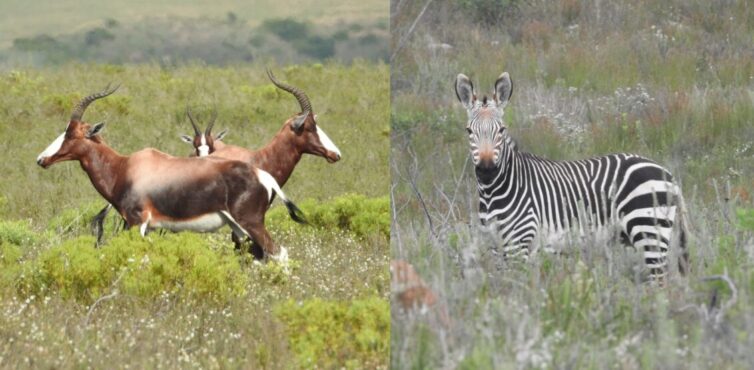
(559, 240)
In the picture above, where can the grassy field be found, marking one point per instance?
(26, 19)
(188, 300)
(45, 33)
(672, 81)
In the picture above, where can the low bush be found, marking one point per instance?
(10, 256)
(181, 264)
(76, 219)
(329, 334)
(355, 213)
(17, 233)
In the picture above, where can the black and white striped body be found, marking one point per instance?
(531, 202)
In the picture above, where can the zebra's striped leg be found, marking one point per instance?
(516, 252)
(655, 255)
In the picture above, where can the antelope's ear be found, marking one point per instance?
(298, 122)
(465, 91)
(96, 129)
(187, 139)
(221, 135)
(503, 89)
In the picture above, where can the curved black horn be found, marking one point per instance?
(303, 100)
(78, 110)
(191, 118)
(211, 123)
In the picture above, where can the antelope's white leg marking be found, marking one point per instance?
(282, 256)
(52, 148)
(143, 228)
(282, 259)
(270, 184)
(203, 148)
(325, 140)
(237, 229)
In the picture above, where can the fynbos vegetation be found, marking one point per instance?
(671, 81)
(190, 300)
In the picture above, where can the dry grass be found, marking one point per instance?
(671, 81)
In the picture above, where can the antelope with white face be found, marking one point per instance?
(299, 135)
(152, 189)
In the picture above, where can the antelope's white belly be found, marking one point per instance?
(203, 224)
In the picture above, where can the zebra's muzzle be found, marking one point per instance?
(486, 159)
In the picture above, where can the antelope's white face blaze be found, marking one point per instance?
(203, 147)
(487, 132)
(53, 148)
(326, 142)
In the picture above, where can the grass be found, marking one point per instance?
(188, 300)
(589, 79)
(149, 111)
(52, 17)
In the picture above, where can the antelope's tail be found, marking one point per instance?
(274, 188)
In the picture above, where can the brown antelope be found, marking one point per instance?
(299, 135)
(412, 292)
(155, 190)
(204, 143)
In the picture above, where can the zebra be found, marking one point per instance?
(527, 200)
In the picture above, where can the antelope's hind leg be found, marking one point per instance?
(262, 239)
(254, 248)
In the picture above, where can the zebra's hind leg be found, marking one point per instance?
(655, 253)
(516, 252)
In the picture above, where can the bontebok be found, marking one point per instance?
(531, 202)
(151, 189)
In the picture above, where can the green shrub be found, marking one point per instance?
(331, 334)
(276, 273)
(354, 213)
(75, 220)
(97, 36)
(287, 29)
(180, 264)
(10, 256)
(17, 233)
(745, 218)
(317, 47)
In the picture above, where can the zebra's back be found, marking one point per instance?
(627, 192)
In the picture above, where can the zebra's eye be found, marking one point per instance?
(501, 129)
(468, 129)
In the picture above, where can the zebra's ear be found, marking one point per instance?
(503, 89)
(465, 91)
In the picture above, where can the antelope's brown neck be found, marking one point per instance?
(104, 167)
(279, 157)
